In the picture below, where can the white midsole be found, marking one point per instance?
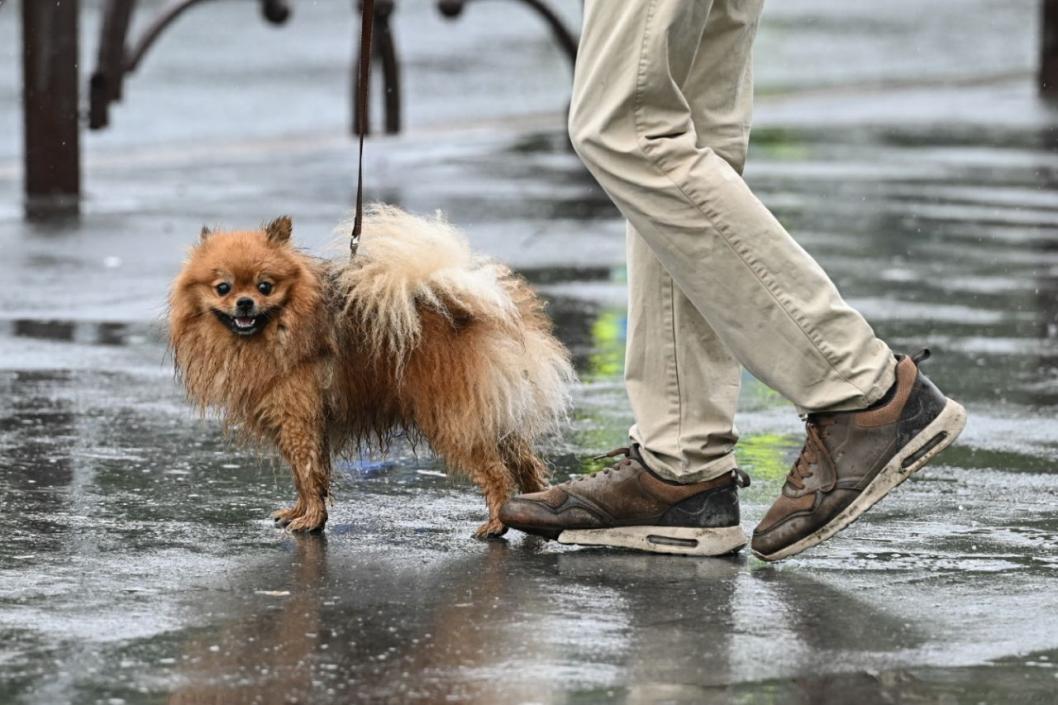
(662, 539)
(951, 420)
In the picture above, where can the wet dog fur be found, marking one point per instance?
(414, 335)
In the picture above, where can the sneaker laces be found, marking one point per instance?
(738, 476)
(626, 452)
(813, 452)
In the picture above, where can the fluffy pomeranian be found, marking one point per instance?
(415, 335)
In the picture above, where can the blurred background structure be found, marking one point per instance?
(52, 115)
(911, 147)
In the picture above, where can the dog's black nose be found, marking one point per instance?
(244, 304)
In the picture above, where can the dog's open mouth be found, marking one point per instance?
(242, 325)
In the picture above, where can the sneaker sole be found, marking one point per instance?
(681, 540)
(934, 438)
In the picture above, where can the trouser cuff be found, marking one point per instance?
(689, 472)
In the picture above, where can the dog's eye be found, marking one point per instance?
(223, 288)
(265, 288)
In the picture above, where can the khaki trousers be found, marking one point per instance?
(660, 115)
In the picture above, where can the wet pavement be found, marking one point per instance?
(139, 565)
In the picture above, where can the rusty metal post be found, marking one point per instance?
(52, 156)
(1049, 50)
(384, 50)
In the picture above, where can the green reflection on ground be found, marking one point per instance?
(597, 432)
(778, 144)
(765, 455)
(607, 359)
(602, 423)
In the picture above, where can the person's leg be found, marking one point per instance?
(767, 300)
(663, 140)
(682, 381)
(676, 490)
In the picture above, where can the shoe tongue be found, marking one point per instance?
(633, 454)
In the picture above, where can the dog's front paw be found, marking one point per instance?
(491, 529)
(311, 520)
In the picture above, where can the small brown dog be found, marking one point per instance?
(415, 334)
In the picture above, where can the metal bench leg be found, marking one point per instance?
(564, 37)
(104, 87)
(384, 51)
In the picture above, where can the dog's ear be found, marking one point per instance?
(204, 235)
(278, 231)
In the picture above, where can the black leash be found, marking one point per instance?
(367, 20)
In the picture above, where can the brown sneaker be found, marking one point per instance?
(628, 506)
(851, 460)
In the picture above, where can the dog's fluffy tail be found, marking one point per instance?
(405, 262)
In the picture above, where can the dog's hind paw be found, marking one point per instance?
(283, 517)
(491, 529)
(298, 518)
(310, 521)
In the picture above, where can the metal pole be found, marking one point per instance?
(50, 107)
(1049, 50)
(384, 50)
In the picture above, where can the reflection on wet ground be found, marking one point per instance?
(90, 332)
(139, 565)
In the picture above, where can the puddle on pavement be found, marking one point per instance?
(87, 332)
(139, 563)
